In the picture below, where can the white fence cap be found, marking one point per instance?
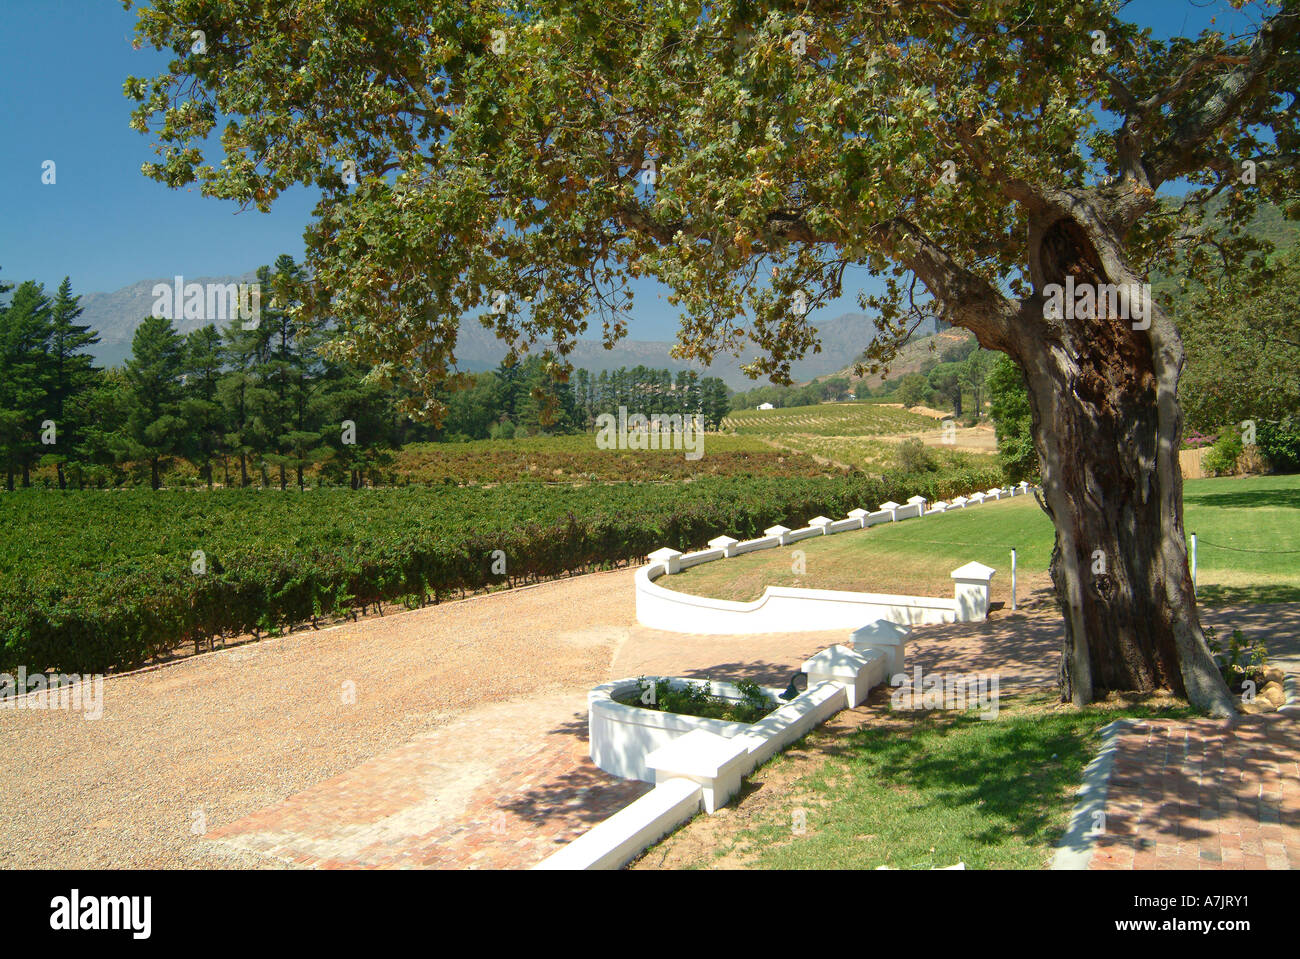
(835, 660)
(698, 753)
(975, 571)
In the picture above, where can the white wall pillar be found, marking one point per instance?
(973, 583)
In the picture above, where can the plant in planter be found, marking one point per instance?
(695, 699)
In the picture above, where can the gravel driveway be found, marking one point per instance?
(201, 743)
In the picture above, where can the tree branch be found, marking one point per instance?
(969, 300)
(1176, 154)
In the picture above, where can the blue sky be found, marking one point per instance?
(62, 64)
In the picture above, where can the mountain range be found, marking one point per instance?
(116, 315)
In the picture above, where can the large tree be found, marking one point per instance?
(525, 160)
(1243, 342)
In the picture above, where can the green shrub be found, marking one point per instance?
(1221, 458)
(1240, 661)
(914, 457)
(1279, 441)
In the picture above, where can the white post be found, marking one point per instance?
(1193, 564)
(1013, 580)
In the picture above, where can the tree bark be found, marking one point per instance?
(1107, 426)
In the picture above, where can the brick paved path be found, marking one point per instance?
(495, 789)
(1204, 795)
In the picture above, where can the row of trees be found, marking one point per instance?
(43, 374)
(649, 391)
(260, 401)
(264, 405)
(832, 388)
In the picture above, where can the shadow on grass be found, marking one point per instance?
(1213, 595)
(1014, 770)
(1245, 499)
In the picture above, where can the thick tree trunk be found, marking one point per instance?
(1107, 426)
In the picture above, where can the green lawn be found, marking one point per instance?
(1261, 514)
(920, 791)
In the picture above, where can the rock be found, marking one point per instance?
(1274, 675)
(1256, 706)
(1274, 693)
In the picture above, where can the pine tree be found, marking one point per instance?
(72, 371)
(200, 405)
(25, 379)
(154, 429)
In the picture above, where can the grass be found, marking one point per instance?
(919, 790)
(1231, 515)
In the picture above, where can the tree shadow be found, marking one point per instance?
(1216, 595)
(1245, 499)
(582, 796)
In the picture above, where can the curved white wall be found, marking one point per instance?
(781, 609)
(784, 609)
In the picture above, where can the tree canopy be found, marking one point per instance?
(523, 161)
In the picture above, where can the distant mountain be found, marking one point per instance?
(116, 315)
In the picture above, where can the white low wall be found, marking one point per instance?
(616, 841)
(783, 609)
(789, 608)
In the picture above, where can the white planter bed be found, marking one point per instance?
(622, 736)
(699, 763)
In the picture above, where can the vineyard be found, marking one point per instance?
(876, 456)
(92, 581)
(576, 459)
(829, 419)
